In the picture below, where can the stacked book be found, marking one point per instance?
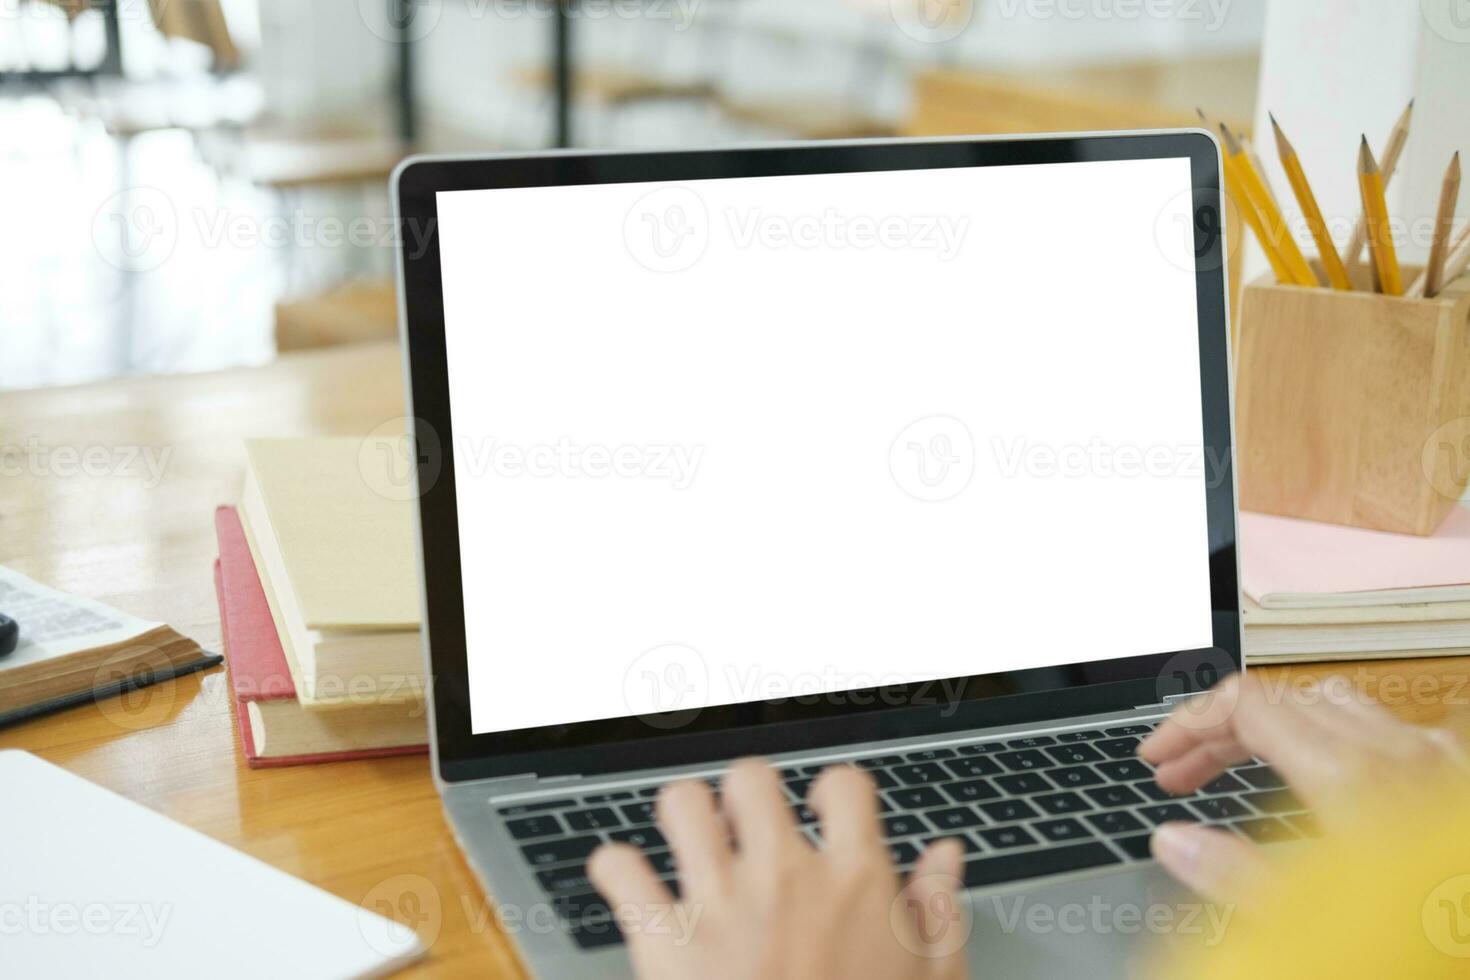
(1317, 592)
(319, 608)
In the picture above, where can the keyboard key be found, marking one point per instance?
(648, 838)
(903, 853)
(1129, 730)
(812, 772)
(955, 818)
(1064, 829)
(1023, 783)
(581, 905)
(804, 814)
(600, 818)
(1031, 742)
(917, 798)
(983, 748)
(1136, 847)
(1004, 838)
(1023, 760)
(1126, 770)
(1219, 808)
(1059, 803)
(789, 773)
(917, 775)
(662, 861)
(561, 851)
(798, 788)
(638, 812)
(1261, 777)
(1117, 748)
(1265, 830)
(1036, 864)
(1224, 784)
(905, 825)
(1085, 736)
(521, 809)
(1009, 811)
(1074, 777)
(970, 792)
(970, 846)
(1156, 792)
(930, 755)
(570, 878)
(648, 792)
(1111, 796)
(596, 933)
(1074, 755)
(976, 766)
(1115, 822)
(880, 762)
(527, 828)
(1164, 812)
(883, 779)
(1275, 801)
(608, 797)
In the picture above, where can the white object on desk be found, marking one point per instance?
(94, 885)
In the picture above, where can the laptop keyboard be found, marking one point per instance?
(1023, 808)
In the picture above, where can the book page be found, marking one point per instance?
(54, 624)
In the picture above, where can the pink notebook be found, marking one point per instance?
(1286, 563)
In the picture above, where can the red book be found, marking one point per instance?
(275, 730)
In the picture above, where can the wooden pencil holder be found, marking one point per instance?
(1353, 407)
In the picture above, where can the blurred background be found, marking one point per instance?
(191, 185)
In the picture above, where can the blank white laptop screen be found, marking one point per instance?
(776, 437)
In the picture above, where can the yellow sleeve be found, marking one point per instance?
(1388, 898)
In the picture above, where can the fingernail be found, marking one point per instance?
(1178, 848)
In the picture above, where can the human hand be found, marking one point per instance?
(1336, 750)
(773, 905)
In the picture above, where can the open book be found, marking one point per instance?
(73, 650)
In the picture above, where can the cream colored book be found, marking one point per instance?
(1363, 633)
(338, 567)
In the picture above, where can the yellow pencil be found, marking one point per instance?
(1375, 210)
(1432, 281)
(1260, 168)
(1397, 139)
(1235, 194)
(1337, 276)
(1255, 188)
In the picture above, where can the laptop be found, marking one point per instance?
(909, 454)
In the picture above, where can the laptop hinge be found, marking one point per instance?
(1169, 701)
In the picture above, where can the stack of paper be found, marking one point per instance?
(1324, 592)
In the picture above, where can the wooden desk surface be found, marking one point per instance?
(367, 831)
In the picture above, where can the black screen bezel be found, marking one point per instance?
(728, 731)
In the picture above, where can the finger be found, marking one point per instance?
(759, 813)
(697, 836)
(1277, 730)
(1215, 863)
(846, 801)
(1199, 719)
(1200, 765)
(623, 876)
(932, 892)
(943, 858)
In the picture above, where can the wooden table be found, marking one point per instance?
(362, 830)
